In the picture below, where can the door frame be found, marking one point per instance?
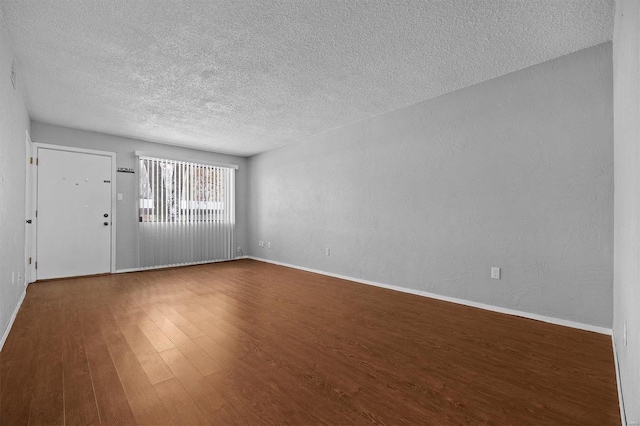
(29, 233)
(112, 155)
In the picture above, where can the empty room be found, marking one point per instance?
(245, 212)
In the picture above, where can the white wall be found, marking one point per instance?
(626, 299)
(14, 121)
(516, 172)
(126, 183)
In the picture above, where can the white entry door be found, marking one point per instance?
(73, 213)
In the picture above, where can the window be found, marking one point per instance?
(186, 212)
(173, 191)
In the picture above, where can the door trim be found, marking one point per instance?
(30, 238)
(34, 195)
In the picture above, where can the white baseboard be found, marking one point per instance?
(623, 415)
(150, 268)
(13, 318)
(543, 318)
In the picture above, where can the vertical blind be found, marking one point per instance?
(186, 212)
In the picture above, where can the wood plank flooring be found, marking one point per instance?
(250, 343)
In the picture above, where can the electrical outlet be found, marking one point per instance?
(495, 273)
(269, 244)
(260, 243)
(19, 277)
(327, 251)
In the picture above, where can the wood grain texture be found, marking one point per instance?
(247, 342)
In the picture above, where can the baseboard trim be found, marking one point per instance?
(13, 318)
(623, 415)
(499, 309)
(182, 265)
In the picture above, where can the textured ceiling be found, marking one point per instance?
(246, 76)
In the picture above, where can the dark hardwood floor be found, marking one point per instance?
(251, 343)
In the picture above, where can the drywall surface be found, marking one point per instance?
(515, 172)
(14, 122)
(626, 286)
(126, 183)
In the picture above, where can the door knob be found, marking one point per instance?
(28, 220)
(106, 224)
(106, 215)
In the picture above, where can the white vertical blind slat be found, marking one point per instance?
(216, 212)
(155, 210)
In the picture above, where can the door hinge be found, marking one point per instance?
(36, 213)
(29, 261)
(37, 161)
(30, 160)
(36, 265)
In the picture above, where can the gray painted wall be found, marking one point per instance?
(626, 299)
(126, 183)
(14, 121)
(515, 172)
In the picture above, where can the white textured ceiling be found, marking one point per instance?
(246, 76)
